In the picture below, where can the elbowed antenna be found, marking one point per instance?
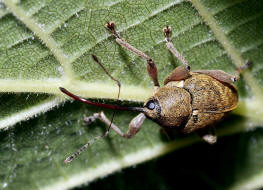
(109, 106)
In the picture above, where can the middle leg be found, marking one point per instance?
(217, 74)
(168, 32)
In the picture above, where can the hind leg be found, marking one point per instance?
(203, 123)
(208, 134)
(223, 76)
(217, 74)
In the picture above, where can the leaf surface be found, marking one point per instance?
(46, 44)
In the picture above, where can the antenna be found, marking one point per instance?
(86, 101)
(119, 85)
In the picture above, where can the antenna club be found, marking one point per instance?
(68, 160)
(95, 58)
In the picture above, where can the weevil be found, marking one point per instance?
(189, 101)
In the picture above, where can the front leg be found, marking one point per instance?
(151, 67)
(134, 127)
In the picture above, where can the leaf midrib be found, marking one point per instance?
(68, 81)
(235, 55)
(66, 63)
(66, 182)
(61, 57)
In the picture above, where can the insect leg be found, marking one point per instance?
(167, 32)
(87, 120)
(166, 133)
(208, 135)
(223, 76)
(241, 68)
(151, 67)
(101, 116)
(134, 127)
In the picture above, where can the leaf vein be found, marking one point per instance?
(254, 46)
(243, 22)
(234, 54)
(47, 39)
(232, 4)
(84, 50)
(18, 42)
(55, 26)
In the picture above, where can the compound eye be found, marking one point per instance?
(150, 105)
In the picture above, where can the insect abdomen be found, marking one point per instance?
(209, 94)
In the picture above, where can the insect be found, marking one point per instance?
(189, 101)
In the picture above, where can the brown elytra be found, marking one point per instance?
(192, 103)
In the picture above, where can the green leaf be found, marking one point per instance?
(46, 44)
(19, 107)
(228, 164)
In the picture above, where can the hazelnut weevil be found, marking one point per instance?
(189, 100)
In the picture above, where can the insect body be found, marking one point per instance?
(188, 101)
(192, 104)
